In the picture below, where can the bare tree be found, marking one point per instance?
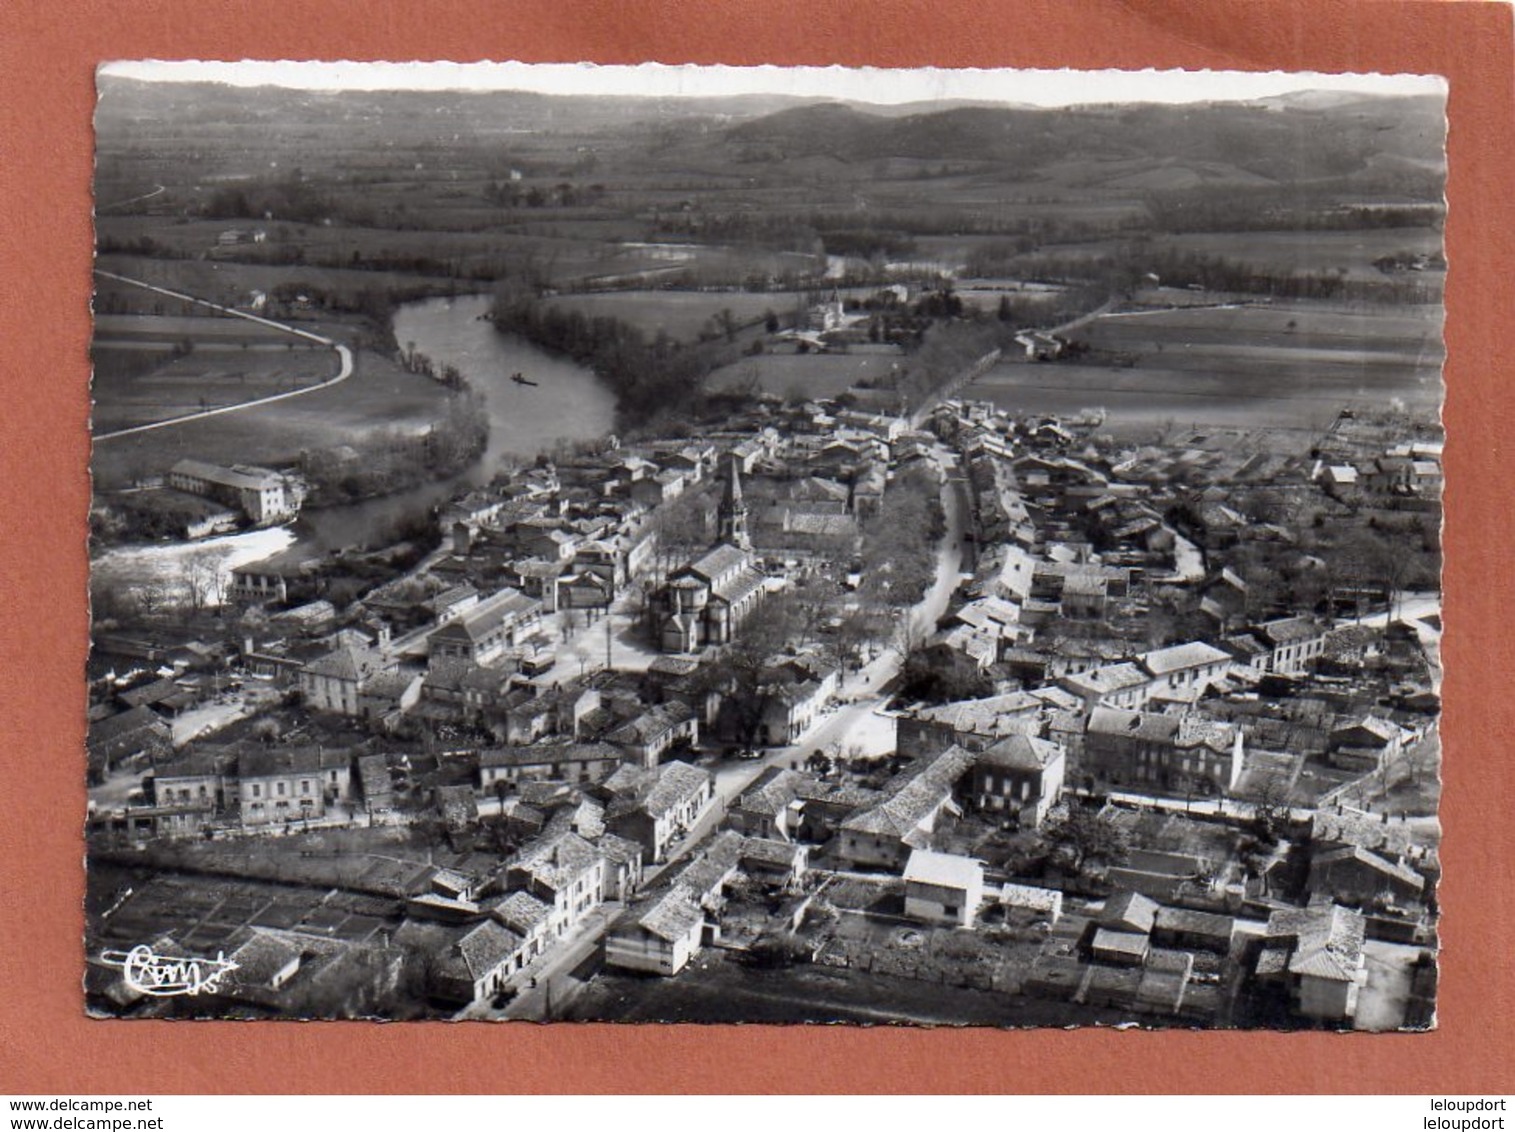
(202, 579)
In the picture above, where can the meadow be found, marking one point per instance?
(793, 375)
(1279, 366)
(684, 315)
(379, 396)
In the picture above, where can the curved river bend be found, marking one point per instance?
(568, 403)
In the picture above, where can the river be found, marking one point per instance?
(568, 402)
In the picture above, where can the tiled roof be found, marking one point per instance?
(739, 586)
(487, 946)
(1176, 658)
(921, 793)
(653, 723)
(671, 916)
(1020, 752)
(126, 723)
(1124, 943)
(1148, 726)
(1329, 941)
(945, 869)
(195, 764)
(995, 715)
(255, 480)
(1130, 910)
(704, 875)
(272, 761)
(545, 754)
(556, 861)
(677, 783)
(774, 789)
(262, 957)
(767, 851)
(1371, 860)
(347, 663)
(478, 622)
(1193, 922)
(628, 781)
(1107, 679)
(1380, 729)
(719, 562)
(521, 912)
(1287, 630)
(618, 850)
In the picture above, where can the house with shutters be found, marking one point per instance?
(1169, 754)
(1317, 954)
(653, 807)
(1020, 778)
(277, 785)
(485, 632)
(884, 835)
(1191, 667)
(565, 872)
(335, 681)
(1293, 643)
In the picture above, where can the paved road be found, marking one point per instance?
(344, 357)
(159, 191)
(582, 649)
(1411, 607)
(546, 984)
(864, 691)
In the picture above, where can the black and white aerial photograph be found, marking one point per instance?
(772, 545)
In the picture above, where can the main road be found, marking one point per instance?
(863, 693)
(552, 980)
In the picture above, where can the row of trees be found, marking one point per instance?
(899, 559)
(394, 459)
(1271, 209)
(653, 375)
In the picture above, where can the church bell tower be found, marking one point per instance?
(732, 516)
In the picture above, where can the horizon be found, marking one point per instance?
(1048, 89)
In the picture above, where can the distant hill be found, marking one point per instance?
(1281, 140)
(1370, 141)
(124, 103)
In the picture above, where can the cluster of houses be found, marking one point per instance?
(1053, 575)
(1404, 473)
(197, 498)
(589, 774)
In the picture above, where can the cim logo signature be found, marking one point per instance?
(167, 976)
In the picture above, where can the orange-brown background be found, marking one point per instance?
(48, 52)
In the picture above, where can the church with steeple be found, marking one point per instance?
(706, 602)
(731, 518)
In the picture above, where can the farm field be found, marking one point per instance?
(1409, 330)
(380, 395)
(485, 254)
(1295, 252)
(207, 379)
(706, 990)
(113, 328)
(804, 375)
(1314, 252)
(232, 284)
(683, 315)
(149, 368)
(1235, 367)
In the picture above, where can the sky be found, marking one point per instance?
(1039, 88)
